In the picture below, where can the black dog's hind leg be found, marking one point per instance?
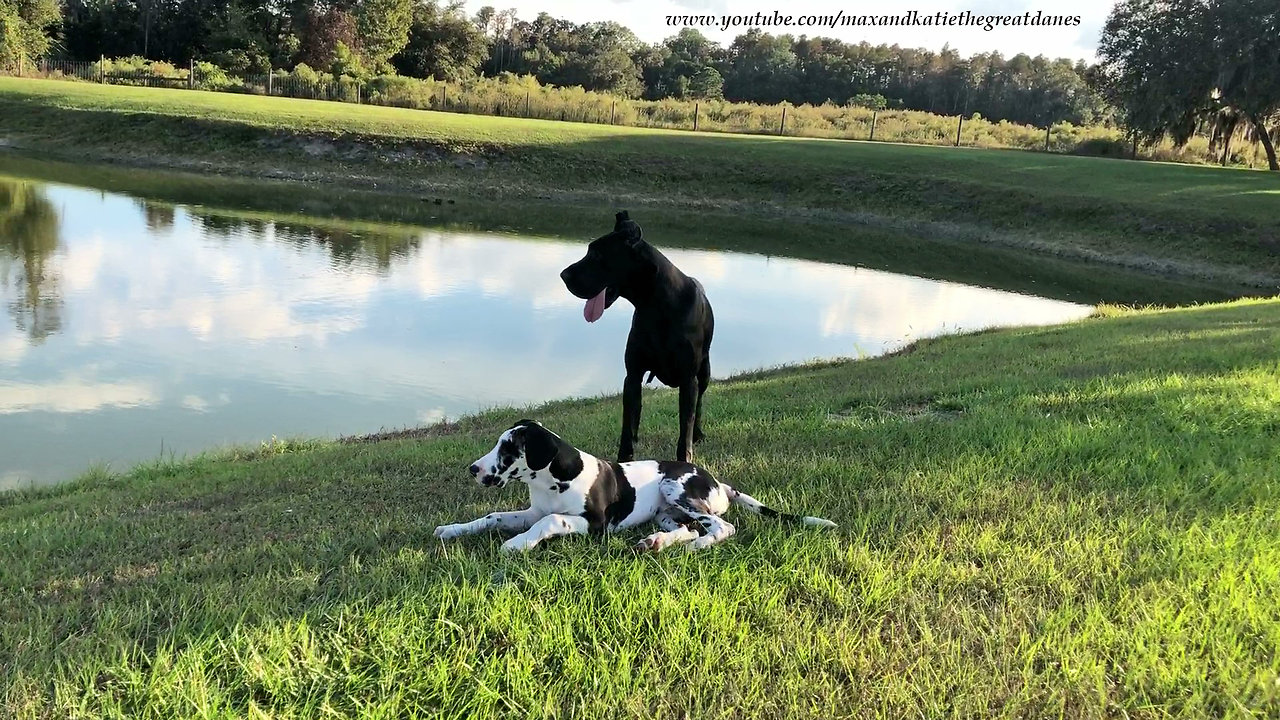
(630, 416)
(704, 379)
(688, 406)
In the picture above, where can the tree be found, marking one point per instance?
(761, 67)
(384, 29)
(443, 44)
(1168, 66)
(1247, 35)
(682, 55)
(323, 33)
(24, 29)
(707, 84)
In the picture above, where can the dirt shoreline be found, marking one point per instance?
(322, 148)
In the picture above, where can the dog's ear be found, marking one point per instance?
(543, 449)
(628, 228)
(634, 234)
(539, 447)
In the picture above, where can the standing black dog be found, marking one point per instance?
(670, 330)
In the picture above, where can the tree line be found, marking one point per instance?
(1173, 68)
(425, 38)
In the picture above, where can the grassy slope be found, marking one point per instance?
(1174, 218)
(1077, 521)
(382, 225)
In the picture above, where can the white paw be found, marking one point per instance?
(653, 543)
(516, 545)
(704, 541)
(448, 532)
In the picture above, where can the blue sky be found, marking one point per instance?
(648, 19)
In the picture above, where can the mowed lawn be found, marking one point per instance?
(1244, 194)
(1079, 521)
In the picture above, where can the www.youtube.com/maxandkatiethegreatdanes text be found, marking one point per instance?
(911, 18)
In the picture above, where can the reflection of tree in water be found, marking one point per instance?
(159, 218)
(28, 240)
(346, 247)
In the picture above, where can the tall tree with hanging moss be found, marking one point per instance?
(1169, 65)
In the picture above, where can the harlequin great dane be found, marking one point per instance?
(571, 492)
(671, 328)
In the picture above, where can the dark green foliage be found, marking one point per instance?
(1172, 66)
(426, 38)
(443, 44)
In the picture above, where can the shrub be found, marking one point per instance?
(212, 77)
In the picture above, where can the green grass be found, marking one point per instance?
(1188, 221)
(1079, 521)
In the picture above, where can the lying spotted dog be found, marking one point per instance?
(573, 492)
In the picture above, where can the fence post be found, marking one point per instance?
(613, 110)
(191, 74)
(271, 76)
(1046, 138)
(526, 103)
(959, 127)
(102, 68)
(357, 93)
(874, 115)
(695, 117)
(19, 65)
(782, 126)
(1135, 147)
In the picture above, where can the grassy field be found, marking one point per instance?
(1188, 221)
(1079, 521)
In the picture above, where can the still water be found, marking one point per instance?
(133, 329)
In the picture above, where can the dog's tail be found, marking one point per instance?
(738, 497)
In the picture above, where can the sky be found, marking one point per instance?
(647, 18)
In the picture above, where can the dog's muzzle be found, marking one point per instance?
(486, 479)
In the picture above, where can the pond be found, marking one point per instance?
(137, 329)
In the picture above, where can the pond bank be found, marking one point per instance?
(1204, 224)
(1033, 519)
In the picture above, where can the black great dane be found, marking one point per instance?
(670, 331)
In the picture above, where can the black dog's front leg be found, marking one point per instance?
(630, 416)
(688, 419)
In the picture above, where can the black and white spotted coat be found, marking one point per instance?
(571, 491)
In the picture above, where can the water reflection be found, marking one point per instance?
(184, 328)
(28, 276)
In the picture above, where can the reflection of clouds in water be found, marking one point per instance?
(212, 294)
(445, 264)
(873, 309)
(878, 305)
(73, 394)
(201, 404)
(12, 346)
(434, 415)
(311, 336)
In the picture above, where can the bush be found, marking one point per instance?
(212, 77)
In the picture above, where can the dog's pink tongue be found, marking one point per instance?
(595, 307)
